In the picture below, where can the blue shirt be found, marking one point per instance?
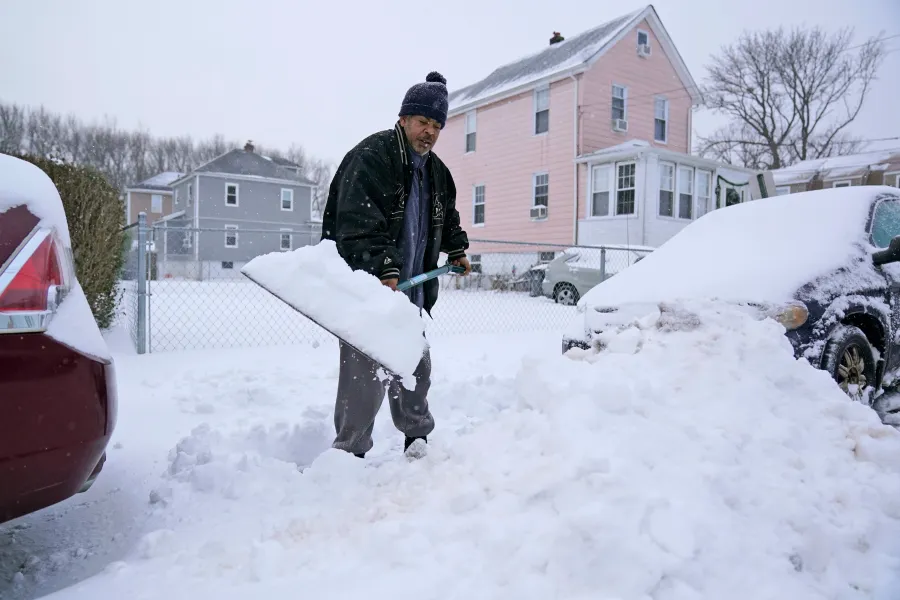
(416, 220)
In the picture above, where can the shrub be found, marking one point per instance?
(96, 217)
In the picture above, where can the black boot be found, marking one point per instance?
(409, 440)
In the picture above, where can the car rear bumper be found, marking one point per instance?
(58, 410)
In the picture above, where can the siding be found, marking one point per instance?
(645, 78)
(250, 244)
(258, 201)
(141, 201)
(507, 156)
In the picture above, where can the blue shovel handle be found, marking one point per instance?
(419, 279)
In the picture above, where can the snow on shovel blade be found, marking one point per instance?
(351, 305)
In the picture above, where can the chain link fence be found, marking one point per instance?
(196, 298)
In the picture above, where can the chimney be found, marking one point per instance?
(248, 147)
(557, 38)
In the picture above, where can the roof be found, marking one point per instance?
(557, 61)
(250, 164)
(837, 167)
(161, 181)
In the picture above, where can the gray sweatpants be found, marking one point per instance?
(360, 393)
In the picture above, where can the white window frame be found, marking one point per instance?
(290, 234)
(190, 198)
(535, 109)
(609, 169)
(281, 199)
(618, 189)
(475, 262)
(895, 175)
(624, 99)
(842, 183)
(705, 201)
(693, 192)
(471, 130)
(665, 119)
(674, 190)
(176, 197)
(476, 203)
(154, 207)
(236, 241)
(534, 186)
(237, 194)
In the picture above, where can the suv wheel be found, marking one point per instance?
(851, 362)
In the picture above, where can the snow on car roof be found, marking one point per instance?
(762, 250)
(22, 182)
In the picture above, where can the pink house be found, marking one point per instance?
(526, 143)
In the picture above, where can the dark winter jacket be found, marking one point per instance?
(366, 205)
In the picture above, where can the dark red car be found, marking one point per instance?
(57, 384)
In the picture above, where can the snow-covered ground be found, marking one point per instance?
(734, 472)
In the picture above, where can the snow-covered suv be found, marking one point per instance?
(825, 264)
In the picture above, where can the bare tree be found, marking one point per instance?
(13, 127)
(788, 96)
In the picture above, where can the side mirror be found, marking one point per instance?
(889, 254)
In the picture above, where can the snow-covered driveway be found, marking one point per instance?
(698, 460)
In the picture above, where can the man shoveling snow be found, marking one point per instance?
(391, 211)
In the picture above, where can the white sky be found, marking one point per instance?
(325, 74)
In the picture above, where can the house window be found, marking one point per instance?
(470, 131)
(176, 197)
(625, 179)
(231, 236)
(685, 192)
(600, 187)
(643, 38)
(704, 191)
(190, 198)
(478, 205)
(231, 194)
(541, 189)
(227, 264)
(661, 120)
(666, 189)
(542, 110)
(287, 199)
(156, 203)
(841, 184)
(475, 261)
(783, 190)
(286, 240)
(546, 256)
(619, 98)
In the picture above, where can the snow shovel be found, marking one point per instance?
(402, 286)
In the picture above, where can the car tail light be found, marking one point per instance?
(34, 282)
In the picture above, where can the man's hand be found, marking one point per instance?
(463, 262)
(391, 283)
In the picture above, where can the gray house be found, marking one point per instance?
(228, 211)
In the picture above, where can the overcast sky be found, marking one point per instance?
(323, 74)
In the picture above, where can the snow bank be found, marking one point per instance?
(352, 304)
(734, 471)
(21, 182)
(751, 251)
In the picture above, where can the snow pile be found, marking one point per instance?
(22, 182)
(354, 305)
(751, 251)
(694, 458)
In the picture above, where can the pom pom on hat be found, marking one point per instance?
(435, 77)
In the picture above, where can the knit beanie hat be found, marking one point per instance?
(427, 99)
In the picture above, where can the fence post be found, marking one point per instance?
(142, 284)
(602, 263)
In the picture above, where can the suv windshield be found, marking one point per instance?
(886, 223)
